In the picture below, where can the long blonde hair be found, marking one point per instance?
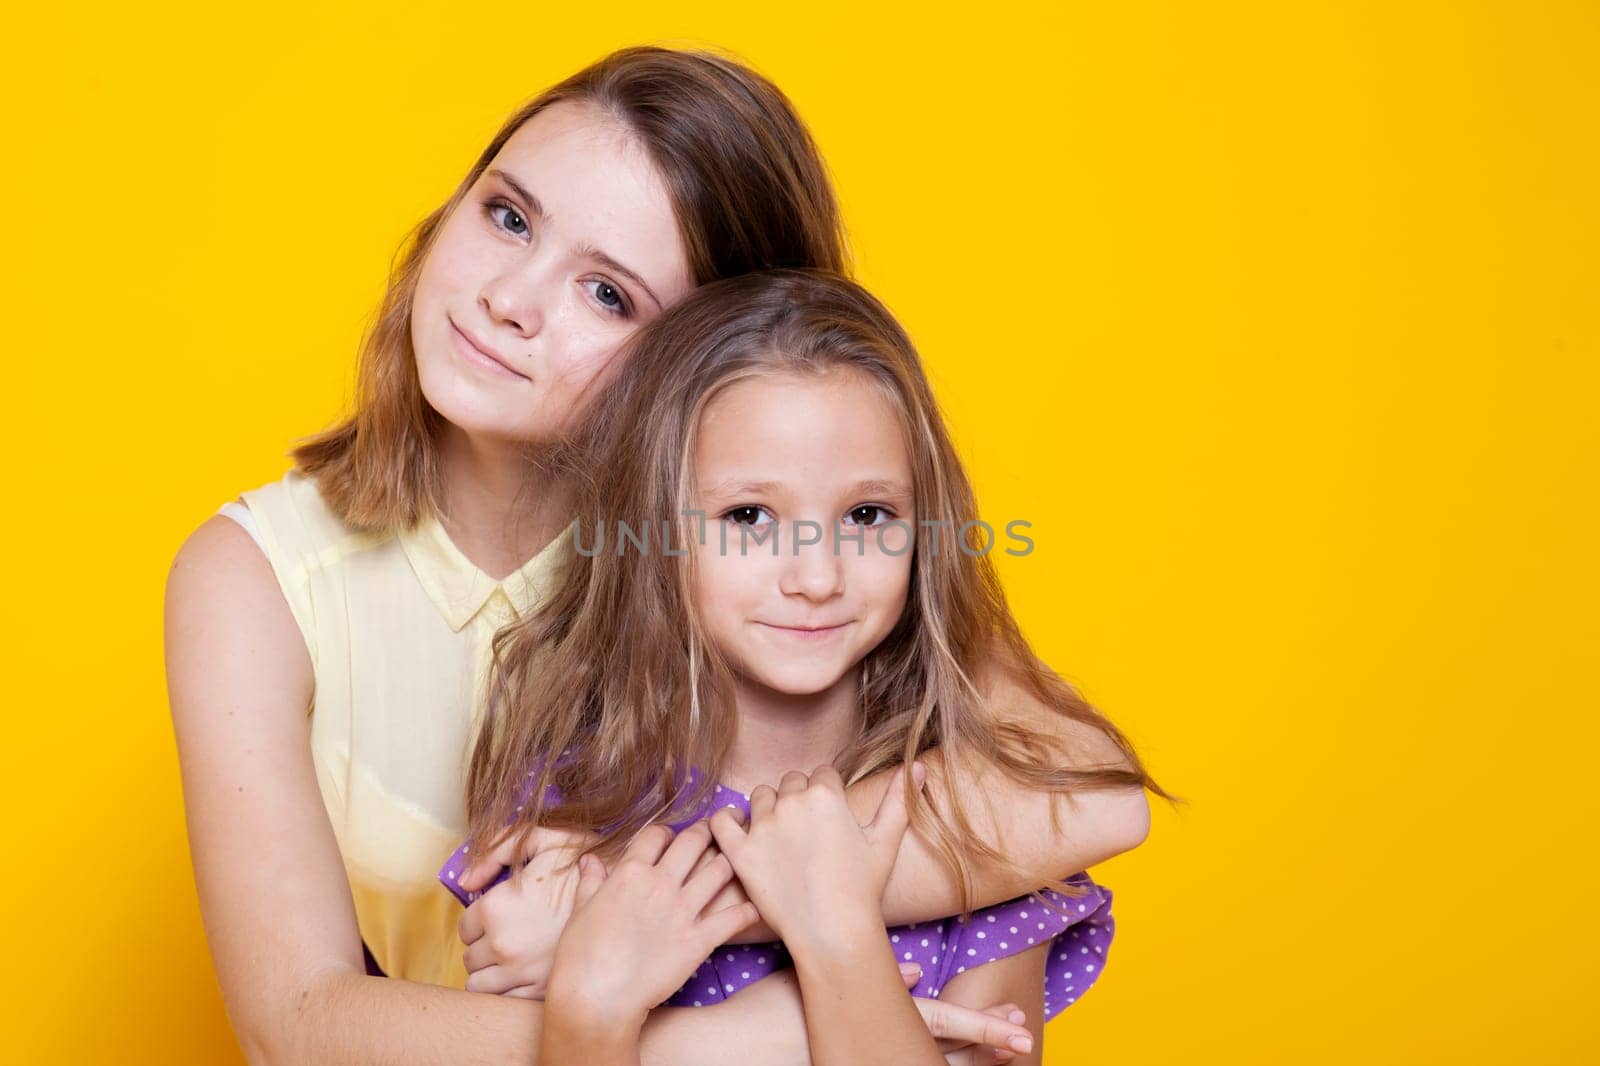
(748, 188)
(615, 674)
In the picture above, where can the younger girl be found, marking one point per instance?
(781, 566)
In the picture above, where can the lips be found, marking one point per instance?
(807, 631)
(478, 353)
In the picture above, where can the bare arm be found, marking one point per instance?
(854, 1017)
(1015, 979)
(857, 1012)
(273, 893)
(1093, 827)
(1090, 828)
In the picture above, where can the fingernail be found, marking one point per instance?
(911, 969)
(1022, 1043)
(1017, 1017)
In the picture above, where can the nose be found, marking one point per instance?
(518, 296)
(811, 568)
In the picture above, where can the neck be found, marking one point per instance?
(778, 732)
(499, 509)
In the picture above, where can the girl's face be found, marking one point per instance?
(815, 466)
(565, 245)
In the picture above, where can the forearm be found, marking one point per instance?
(1046, 837)
(856, 1008)
(351, 1019)
(764, 1023)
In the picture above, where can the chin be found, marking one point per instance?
(808, 683)
(474, 409)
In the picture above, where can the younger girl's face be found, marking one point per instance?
(564, 246)
(805, 483)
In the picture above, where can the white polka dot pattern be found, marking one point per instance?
(1079, 926)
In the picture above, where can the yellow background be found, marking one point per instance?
(1278, 321)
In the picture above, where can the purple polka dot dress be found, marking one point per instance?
(1078, 930)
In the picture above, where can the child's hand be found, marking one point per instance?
(809, 868)
(968, 1037)
(512, 930)
(638, 932)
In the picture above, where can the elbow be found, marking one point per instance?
(1118, 821)
(1134, 822)
(261, 1041)
(257, 1051)
(270, 1041)
(280, 1035)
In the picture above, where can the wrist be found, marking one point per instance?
(594, 1015)
(841, 941)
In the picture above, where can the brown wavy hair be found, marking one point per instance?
(615, 671)
(749, 190)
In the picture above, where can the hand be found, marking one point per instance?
(512, 930)
(981, 1052)
(638, 931)
(514, 850)
(968, 1037)
(803, 860)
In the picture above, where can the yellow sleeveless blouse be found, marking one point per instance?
(398, 627)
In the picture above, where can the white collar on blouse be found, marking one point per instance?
(460, 590)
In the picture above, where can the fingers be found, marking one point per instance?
(707, 856)
(893, 816)
(827, 777)
(492, 980)
(972, 1055)
(762, 800)
(515, 849)
(591, 875)
(649, 844)
(910, 973)
(793, 781)
(485, 866)
(525, 992)
(704, 884)
(722, 926)
(478, 956)
(727, 829)
(685, 851)
(470, 927)
(950, 1022)
(983, 1055)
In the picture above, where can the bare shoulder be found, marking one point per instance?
(217, 555)
(226, 615)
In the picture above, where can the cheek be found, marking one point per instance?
(726, 586)
(885, 581)
(586, 355)
(450, 263)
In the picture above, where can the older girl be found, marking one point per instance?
(327, 642)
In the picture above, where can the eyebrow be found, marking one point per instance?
(587, 251)
(611, 264)
(881, 488)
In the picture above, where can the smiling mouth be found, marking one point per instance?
(806, 631)
(477, 356)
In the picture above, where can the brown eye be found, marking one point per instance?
(867, 515)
